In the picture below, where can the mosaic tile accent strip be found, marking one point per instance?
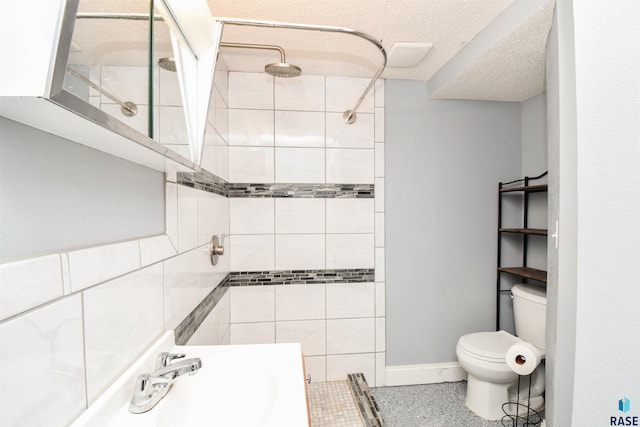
(301, 277)
(365, 401)
(185, 330)
(331, 404)
(209, 182)
(326, 191)
(204, 181)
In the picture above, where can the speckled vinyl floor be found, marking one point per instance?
(428, 405)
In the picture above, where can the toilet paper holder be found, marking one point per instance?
(523, 359)
(523, 415)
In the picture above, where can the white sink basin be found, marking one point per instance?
(237, 385)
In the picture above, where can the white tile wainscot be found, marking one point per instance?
(93, 311)
(97, 264)
(29, 283)
(122, 319)
(42, 352)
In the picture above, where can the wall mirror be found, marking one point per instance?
(133, 67)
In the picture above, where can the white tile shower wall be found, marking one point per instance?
(251, 164)
(295, 151)
(215, 328)
(327, 319)
(215, 153)
(296, 135)
(180, 287)
(379, 225)
(300, 252)
(252, 252)
(299, 165)
(306, 93)
(252, 216)
(251, 304)
(299, 129)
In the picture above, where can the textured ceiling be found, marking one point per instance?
(511, 68)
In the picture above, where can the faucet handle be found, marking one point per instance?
(142, 383)
(147, 392)
(165, 358)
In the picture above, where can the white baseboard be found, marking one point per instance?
(424, 374)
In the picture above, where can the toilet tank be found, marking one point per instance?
(530, 313)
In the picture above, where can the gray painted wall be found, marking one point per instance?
(444, 160)
(607, 209)
(534, 163)
(594, 154)
(534, 135)
(57, 195)
(561, 300)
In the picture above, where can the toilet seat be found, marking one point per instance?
(488, 346)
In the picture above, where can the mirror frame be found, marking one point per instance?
(64, 98)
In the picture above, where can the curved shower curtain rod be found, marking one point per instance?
(348, 116)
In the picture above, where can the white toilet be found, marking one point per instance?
(490, 382)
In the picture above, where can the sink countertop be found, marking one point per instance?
(238, 385)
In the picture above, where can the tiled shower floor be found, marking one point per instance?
(332, 405)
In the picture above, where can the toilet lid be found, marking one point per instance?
(489, 345)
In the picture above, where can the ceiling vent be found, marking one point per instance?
(407, 54)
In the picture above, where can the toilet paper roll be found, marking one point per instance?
(523, 358)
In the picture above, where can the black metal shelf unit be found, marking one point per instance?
(524, 187)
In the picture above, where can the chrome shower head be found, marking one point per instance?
(278, 69)
(282, 70)
(168, 64)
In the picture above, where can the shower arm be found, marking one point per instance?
(256, 46)
(348, 116)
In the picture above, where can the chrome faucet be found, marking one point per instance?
(165, 358)
(151, 388)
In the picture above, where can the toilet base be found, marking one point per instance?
(485, 399)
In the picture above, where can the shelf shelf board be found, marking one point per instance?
(527, 189)
(526, 272)
(535, 231)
